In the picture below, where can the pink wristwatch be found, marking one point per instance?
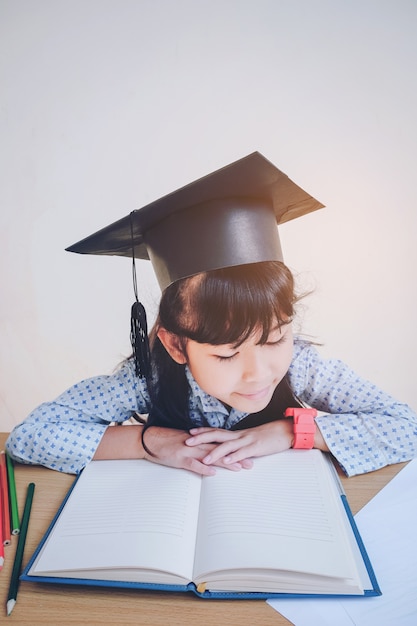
(304, 427)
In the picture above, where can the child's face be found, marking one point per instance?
(244, 377)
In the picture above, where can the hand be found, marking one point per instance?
(239, 446)
(168, 447)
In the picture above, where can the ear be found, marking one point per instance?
(172, 345)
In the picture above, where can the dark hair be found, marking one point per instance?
(222, 306)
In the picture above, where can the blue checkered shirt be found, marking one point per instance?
(364, 427)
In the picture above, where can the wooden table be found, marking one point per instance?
(53, 605)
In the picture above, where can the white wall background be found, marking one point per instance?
(108, 104)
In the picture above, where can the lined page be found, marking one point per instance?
(387, 524)
(106, 522)
(282, 514)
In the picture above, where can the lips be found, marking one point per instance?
(256, 395)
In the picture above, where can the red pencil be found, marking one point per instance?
(1, 544)
(4, 488)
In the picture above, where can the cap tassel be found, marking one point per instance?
(139, 339)
(138, 324)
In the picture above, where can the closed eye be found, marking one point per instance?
(226, 358)
(279, 341)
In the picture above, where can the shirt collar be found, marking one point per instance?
(209, 404)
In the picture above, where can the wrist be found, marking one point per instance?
(146, 449)
(279, 433)
(319, 441)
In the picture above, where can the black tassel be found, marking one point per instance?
(139, 340)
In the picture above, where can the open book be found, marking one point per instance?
(283, 527)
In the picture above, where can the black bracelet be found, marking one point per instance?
(145, 447)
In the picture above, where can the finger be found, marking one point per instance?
(235, 467)
(200, 429)
(247, 463)
(197, 467)
(223, 451)
(212, 435)
(238, 455)
(245, 455)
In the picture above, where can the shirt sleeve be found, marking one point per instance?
(364, 427)
(64, 434)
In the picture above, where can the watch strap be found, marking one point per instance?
(304, 427)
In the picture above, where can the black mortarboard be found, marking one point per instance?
(226, 218)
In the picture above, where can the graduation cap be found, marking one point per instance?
(226, 218)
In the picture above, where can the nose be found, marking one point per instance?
(255, 367)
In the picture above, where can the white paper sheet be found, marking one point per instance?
(388, 525)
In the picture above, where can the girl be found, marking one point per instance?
(224, 365)
(222, 384)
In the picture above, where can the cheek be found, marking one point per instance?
(201, 368)
(211, 373)
(284, 359)
(212, 377)
(289, 352)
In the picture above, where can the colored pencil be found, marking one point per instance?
(14, 510)
(17, 565)
(7, 535)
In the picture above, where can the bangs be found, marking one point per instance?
(227, 306)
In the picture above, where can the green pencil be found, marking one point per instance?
(17, 565)
(14, 511)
